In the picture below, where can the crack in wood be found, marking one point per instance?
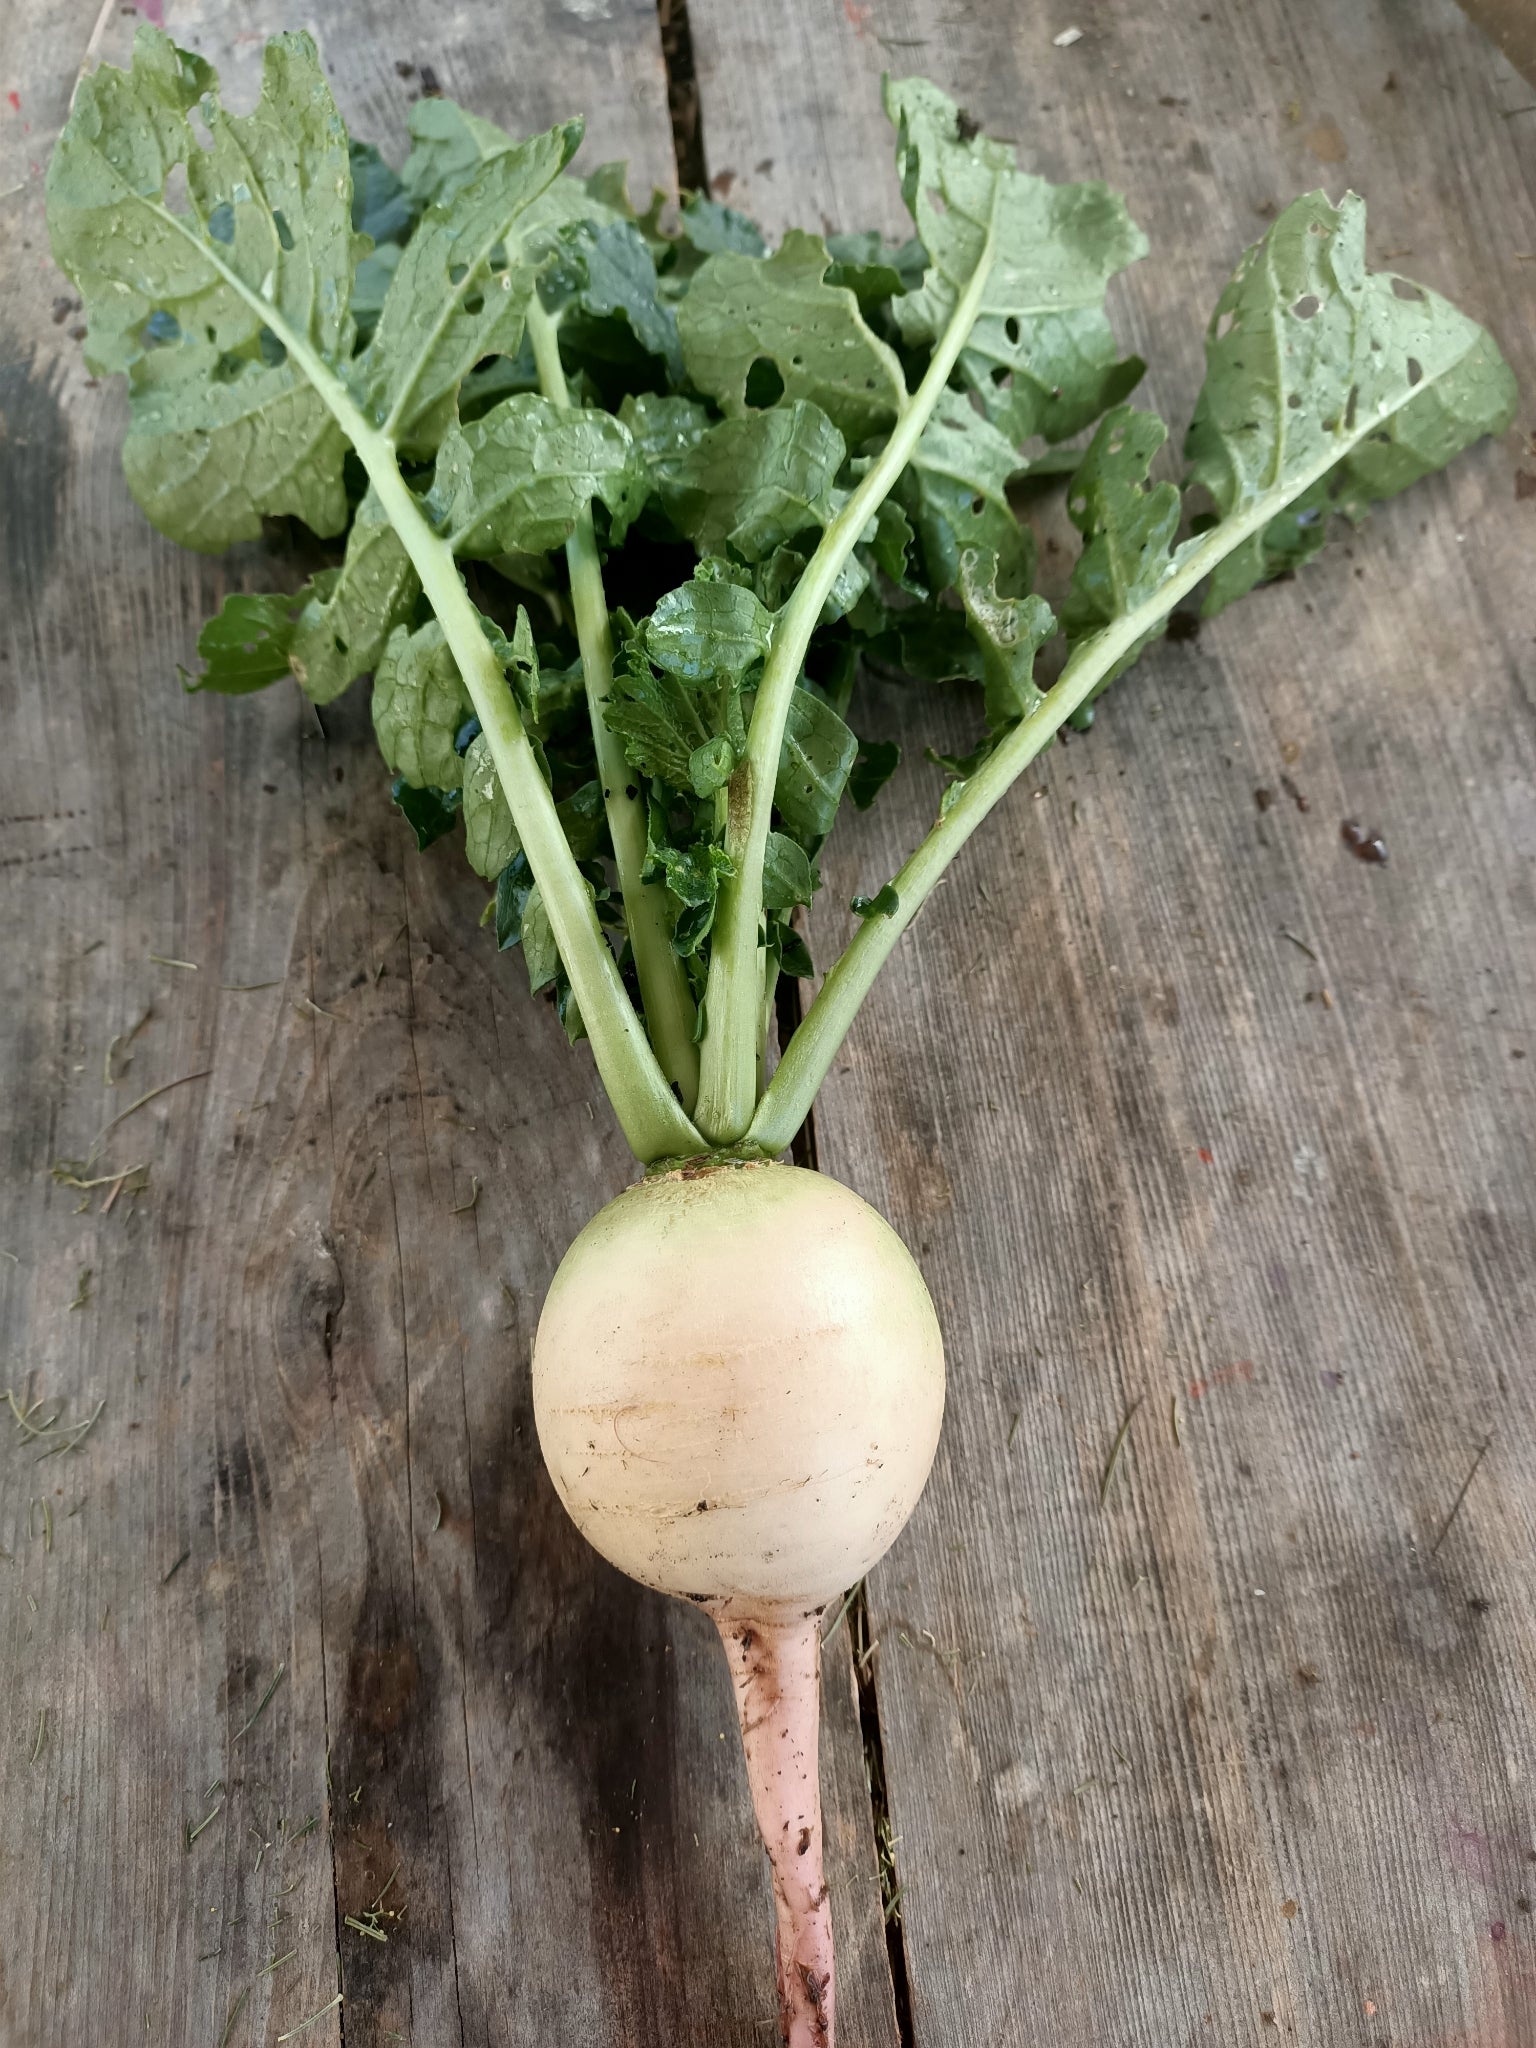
(682, 95)
(789, 1008)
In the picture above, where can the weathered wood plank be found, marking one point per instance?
(1248, 1747)
(316, 1455)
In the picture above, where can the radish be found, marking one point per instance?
(738, 1382)
(738, 1376)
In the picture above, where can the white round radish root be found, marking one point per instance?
(738, 1382)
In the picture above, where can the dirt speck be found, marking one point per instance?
(1369, 847)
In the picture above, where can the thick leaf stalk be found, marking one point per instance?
(664, 992)
(733, 995)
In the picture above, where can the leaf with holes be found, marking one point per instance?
(225, 430)
(1041, 358)
(460, 293)
(1128, 528)
(954, 492)
(1332, 386)
(746, 314)
(814, 766)
(1009, 632)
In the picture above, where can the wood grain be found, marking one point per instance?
(1243, 1753)
(315, 1459)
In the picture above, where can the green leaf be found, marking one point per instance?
(711, 766)
(708, 628)
(448, 147)
(490, 837)
(872, 271)
(876, 763)
(663, 429)
(817, 758)
(661, 722)
(745, 310)
(693, 876)
(382, 209)
(246, 644)
(541, 955)
(1128, 527)
(788, 876)
(885, 903)
(954, 491)
(224, 429)
(1309, 353)
(419, 704)
(584, 817)
(1009, 632)
(608, 289)
(429, 812)
(794, 955)
(676, 701)
(752, 483)
(710, 228)
(514, 886)
(1041, 357)
(517, 479)
(351, 612)
(385, 212)
(460, 293)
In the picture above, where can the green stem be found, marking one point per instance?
(651, 1117)
(816, 1041)
(727, 1083)
(664, 991)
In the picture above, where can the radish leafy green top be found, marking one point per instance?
(618, 506)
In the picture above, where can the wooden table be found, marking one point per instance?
(1188, 1114)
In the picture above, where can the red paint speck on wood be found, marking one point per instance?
(1207, 1157)
(15, 100)
(1224, 1376)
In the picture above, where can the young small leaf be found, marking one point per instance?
(817, 758)
(794, 955)
(708, 628)
(1128, 527)
(611, 298)
(885, 903)
(954, 492)
(789, 878)
(514, 886)
(711, 228)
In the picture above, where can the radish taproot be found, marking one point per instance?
(738, 1375)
